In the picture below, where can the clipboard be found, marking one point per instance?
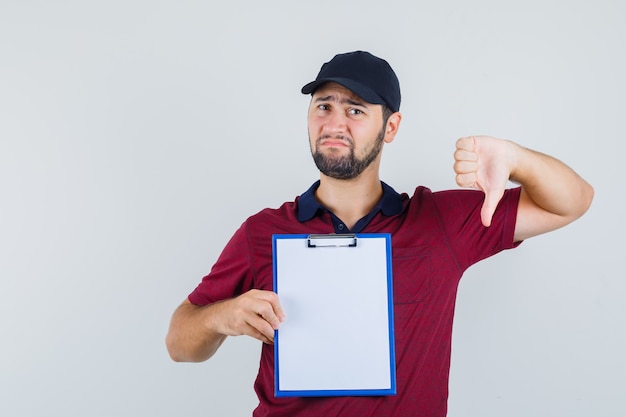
(338, 338)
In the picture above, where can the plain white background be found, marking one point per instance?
(136, 136)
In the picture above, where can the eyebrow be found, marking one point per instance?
(343, 101)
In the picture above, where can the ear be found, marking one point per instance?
(393, 124)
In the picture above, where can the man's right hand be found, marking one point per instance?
(256, 313)
(196, 332)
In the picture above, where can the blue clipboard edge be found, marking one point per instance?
(392, 355)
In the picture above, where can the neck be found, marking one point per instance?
(350, 200)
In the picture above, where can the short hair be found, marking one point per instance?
(387, 112)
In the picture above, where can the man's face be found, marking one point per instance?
(345, 133)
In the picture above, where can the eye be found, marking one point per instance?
(323, 107)
(355, 111)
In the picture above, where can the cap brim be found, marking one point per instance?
(357, 88)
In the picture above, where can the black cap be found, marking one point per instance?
(366, 75)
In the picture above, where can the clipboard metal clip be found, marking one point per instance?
(332, 240)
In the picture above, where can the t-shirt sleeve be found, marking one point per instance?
(470, 240)
(230, 276)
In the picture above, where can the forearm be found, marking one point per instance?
(551, 184)
(553, 195)
(192, 336)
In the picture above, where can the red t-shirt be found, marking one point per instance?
(435, 238)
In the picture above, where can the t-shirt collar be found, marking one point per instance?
(308, 206)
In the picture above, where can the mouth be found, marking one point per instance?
(334, 142)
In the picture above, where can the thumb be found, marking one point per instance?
(489, 206)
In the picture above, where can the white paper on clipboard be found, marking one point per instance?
(336, 291)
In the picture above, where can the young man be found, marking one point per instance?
(354, 111)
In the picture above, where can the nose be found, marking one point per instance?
(335, 123)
